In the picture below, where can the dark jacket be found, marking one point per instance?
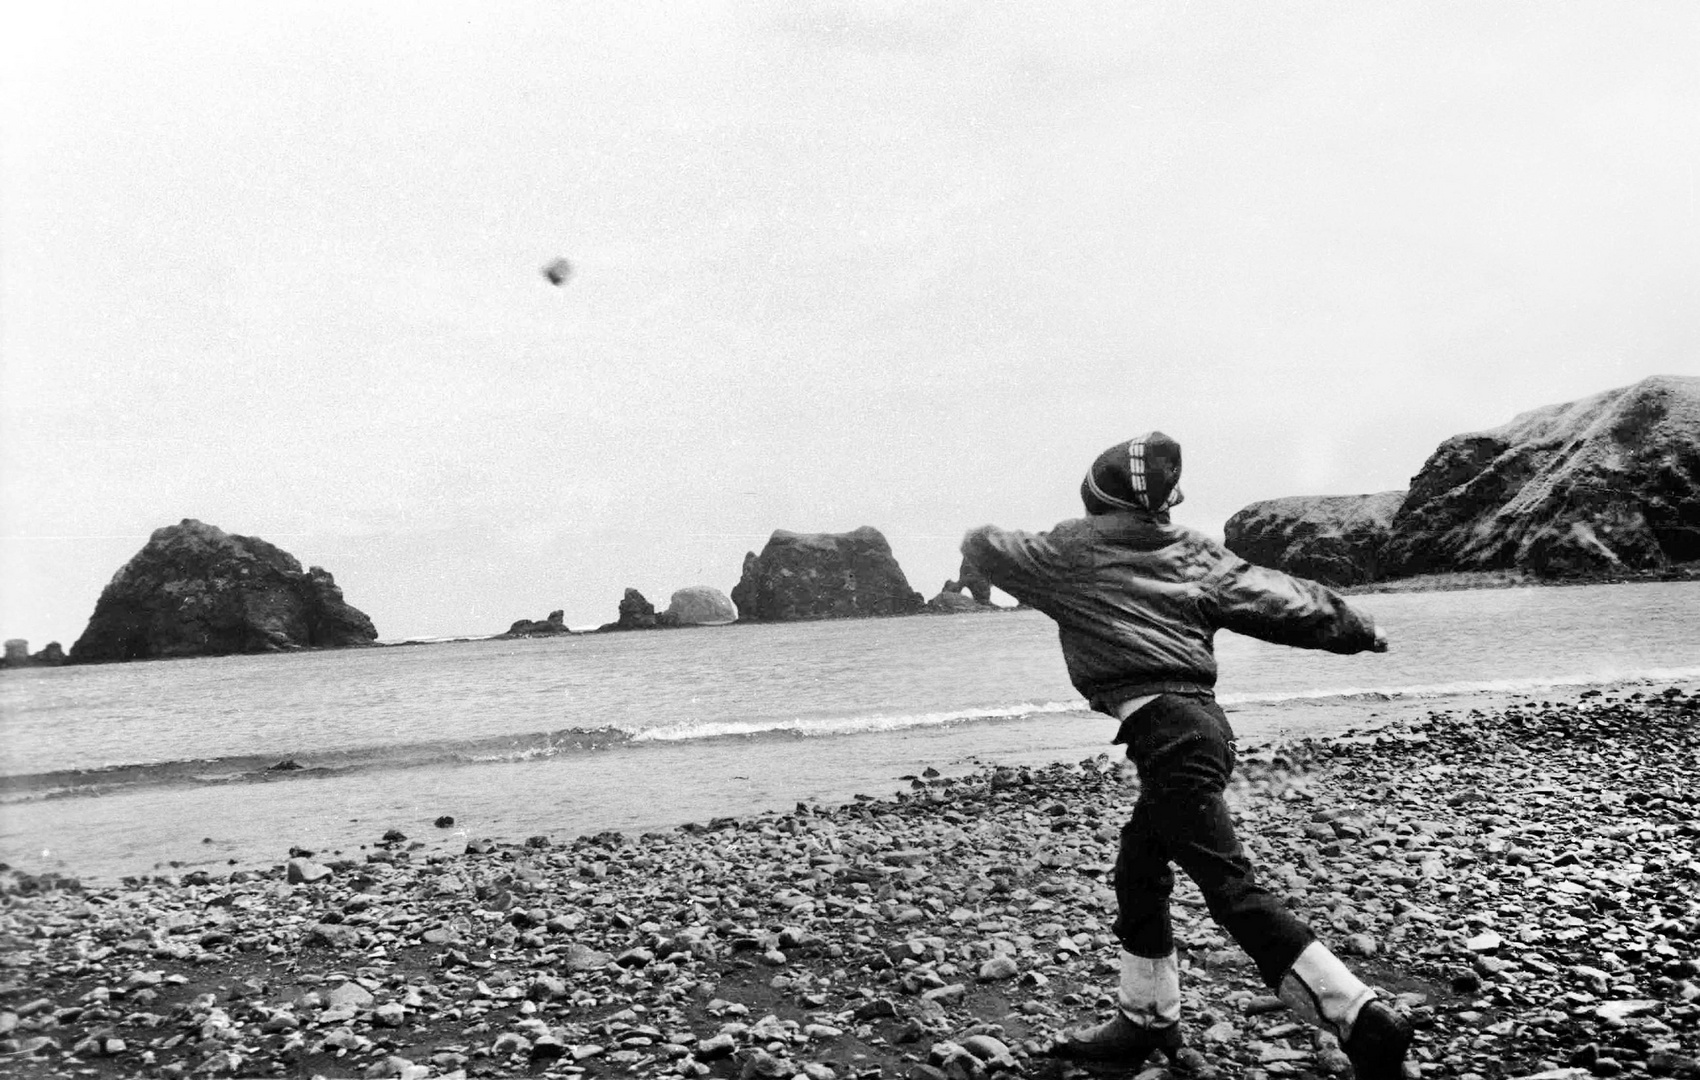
(1138, 601)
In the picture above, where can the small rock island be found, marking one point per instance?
(196, 590)
(823, 576)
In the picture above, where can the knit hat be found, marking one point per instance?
(1140, 474)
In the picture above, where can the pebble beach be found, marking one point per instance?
(1523, 880)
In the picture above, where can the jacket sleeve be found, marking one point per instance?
(1027, 566)
(1285, 610)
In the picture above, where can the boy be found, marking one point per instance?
(1137, 602)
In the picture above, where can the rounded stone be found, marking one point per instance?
(701, 605)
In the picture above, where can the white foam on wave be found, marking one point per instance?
(1480, 686)
(859, 725)
(846, 725)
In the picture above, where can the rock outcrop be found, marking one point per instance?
(951, 602)
(970, 580)
(554, 626)
(1334, 539)
(1602, 485)
(637, 613)
(701, 605)
(1606, 485)
(18, 655)
(823, 576)
(195, 590)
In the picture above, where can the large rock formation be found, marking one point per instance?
(1602, 485)
(823, 576)
(1334, 539)
(195, 590)
(701, 605)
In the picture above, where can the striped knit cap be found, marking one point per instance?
(1140, 474)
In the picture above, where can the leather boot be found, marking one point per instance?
(1324, 992)
(1377, 1043)
(1147, 1017)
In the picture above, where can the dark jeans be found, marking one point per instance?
(1184, 751)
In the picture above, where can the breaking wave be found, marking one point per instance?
(545, 745)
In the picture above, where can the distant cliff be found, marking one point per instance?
(1602, 486)
(823, 576)
(195, 590)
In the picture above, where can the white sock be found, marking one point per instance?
(1323, 991)
(1150, 990)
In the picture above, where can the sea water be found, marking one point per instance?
(126, 768)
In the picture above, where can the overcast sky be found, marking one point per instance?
(909, 265)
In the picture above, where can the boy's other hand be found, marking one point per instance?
(1380, 644)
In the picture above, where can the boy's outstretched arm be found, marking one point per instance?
(1027, 566)
(1287, 610)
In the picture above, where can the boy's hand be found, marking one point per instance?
(1380, 644)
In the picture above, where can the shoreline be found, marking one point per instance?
(1452, 581)
(1522, 875)
(1463, 580)
(255, 812)
(103, 835)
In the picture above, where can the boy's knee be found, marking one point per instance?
(1156, 880)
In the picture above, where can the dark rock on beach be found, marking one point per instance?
(1521, 882)
(823, 576)
(195, 590)
(1334, 539)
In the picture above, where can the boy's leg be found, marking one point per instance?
(1143, 883)
(1184, 752)
(1148, 991)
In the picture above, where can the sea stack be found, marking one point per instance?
(1334, 539)
(554, 626)
(823, 576)
(195, 590)
(636, 613)
(701, 605)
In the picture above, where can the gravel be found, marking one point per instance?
(1525, 883)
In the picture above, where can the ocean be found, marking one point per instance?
(164, 766)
